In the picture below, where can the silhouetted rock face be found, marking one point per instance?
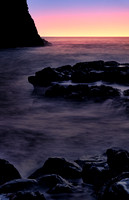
(17, 28)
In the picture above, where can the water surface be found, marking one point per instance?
(33, 128)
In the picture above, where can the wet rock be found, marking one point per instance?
(118, 160)
(61, 188)
(56, 91)
(96, 173)
(82, 92)
(87, 66)
(18, 185)
(114, 75)
(58, 166)
(44, 77)
(112, 63)
(55, 184)
(51, 180)
(7, 172)
(126, 92)
(103, 91)
(116, 189)
(85, 72)
(85, 77)
(27, 196)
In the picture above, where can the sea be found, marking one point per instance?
(34, 128)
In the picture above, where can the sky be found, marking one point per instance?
(81, 18)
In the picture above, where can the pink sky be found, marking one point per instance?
(84, 23)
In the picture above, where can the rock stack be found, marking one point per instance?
(17, 28)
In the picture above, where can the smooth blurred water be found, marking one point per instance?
(33, 128)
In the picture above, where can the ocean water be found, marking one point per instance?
(33, 128)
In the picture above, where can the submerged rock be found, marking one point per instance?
(8, 172)
(17, 28)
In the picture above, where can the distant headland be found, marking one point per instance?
(17, 26)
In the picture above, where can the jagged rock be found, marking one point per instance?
(7, 172)
(58, 166)
(17, 28)
(27, 196)
(18, 185)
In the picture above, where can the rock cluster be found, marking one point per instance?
(75, 81)
(17, 28)
(108, 177)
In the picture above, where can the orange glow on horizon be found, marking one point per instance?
(83, 24)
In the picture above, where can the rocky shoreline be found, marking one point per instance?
(83, 81)
(107, 176)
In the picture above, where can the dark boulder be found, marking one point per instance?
(96, 173)
(103, 91)
(44, 77)
(18, 185)
(111, 63)
(17, 28)
(61, 188)
(58, 166)
(56, 91)
(82, 92)
(55, 184)
(118, 160)
(7, 172)
(116, 189)
(87, 66)
(126, 92)
(51, 180)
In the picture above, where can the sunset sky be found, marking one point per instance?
(80, 17)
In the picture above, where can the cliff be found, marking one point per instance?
(17, 28)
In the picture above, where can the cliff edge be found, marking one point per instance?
(17, 28)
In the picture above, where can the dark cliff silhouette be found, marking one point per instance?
(17, 28)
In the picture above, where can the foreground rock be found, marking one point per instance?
(27, 196)
(107, 177)
(58, 166)
(75, 82)
(17, 28)
(8, 172)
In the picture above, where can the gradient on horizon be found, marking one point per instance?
(107, 18)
